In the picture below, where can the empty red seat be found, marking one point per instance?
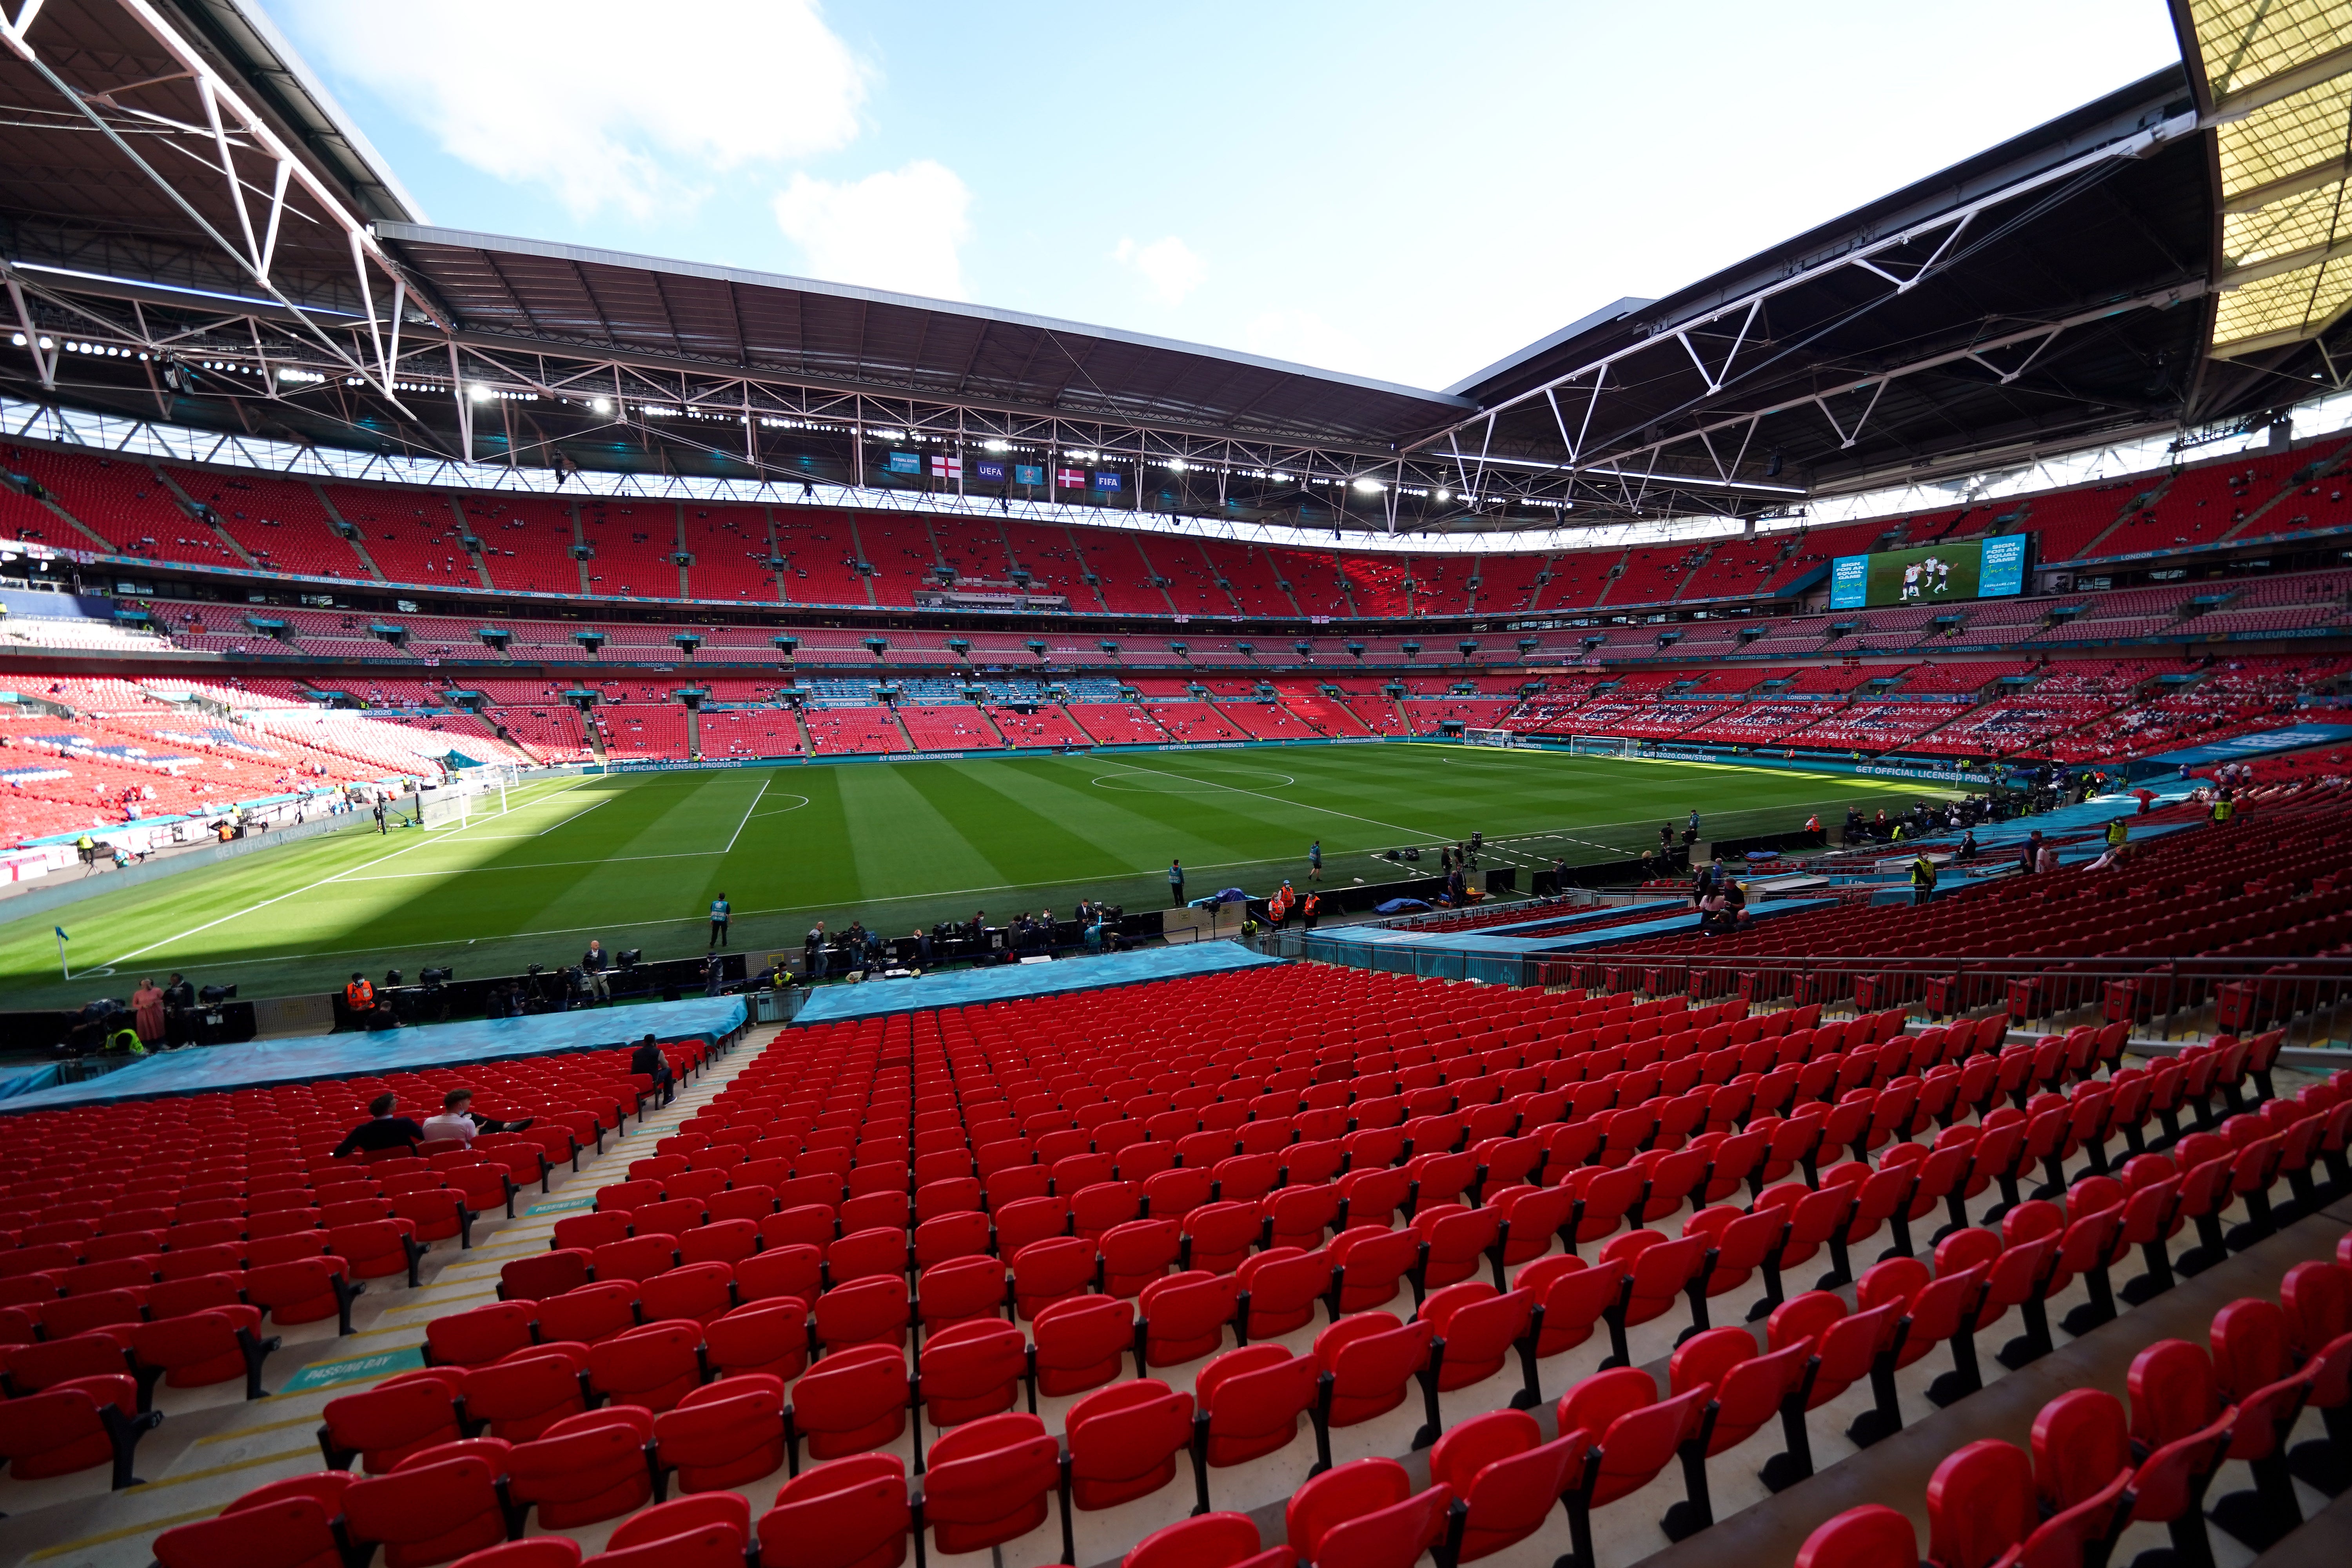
(384, 1424)
(1506, 1478)
(287, 1529)
(583, 1469)
(1980, 1505)
(1745, 1389)
(1206, 1540)
(480, 1336)
(429, 1514)
(770, 1337)
(2254, 1366)
(972, 1371)
(1630, 1432)
(851, 1513)
(1252, 1399)
(1871, 1536)
(529, 1392)
(214, 1345)
(850, 1403)
(542, 1275)
(1184, 1316)
(640, 1257)
(729, 1511)
(1365, 1514)
(989, 1482)
(590, 1314)
(701, 1292)
(303, 1291)
(1124, 1442)
(723, 1434)
(75, 1424)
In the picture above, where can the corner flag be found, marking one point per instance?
(61, 952)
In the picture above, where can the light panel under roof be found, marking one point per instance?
(2247, 42)
(2286, 307)
(2280, 109)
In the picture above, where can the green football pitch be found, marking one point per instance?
(634, 859)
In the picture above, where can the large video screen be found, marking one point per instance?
(1934, 575)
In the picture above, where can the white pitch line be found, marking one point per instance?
(747, 816)
(1279, 800)
(339, 876)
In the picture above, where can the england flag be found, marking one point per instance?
(945, 468)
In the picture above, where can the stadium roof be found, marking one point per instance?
(192, 231)
(528, 295)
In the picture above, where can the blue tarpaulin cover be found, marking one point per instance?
(992, 982)
(303, 1058)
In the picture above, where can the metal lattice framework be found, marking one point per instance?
(190, 233)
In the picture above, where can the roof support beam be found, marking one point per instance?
(45, 362)
(2285, 84)
(2286, 261)
(224, 110)
(1949, 225)
(2180, 294)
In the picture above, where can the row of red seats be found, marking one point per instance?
(1001, 1469)
(106, 1291)
(2092, 1469)
(1612, 1108)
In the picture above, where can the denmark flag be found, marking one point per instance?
(1070, 479)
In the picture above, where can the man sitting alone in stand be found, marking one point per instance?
(648, 1059)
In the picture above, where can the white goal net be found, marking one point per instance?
(469, 793)
(1504, 738)
(1600, 746)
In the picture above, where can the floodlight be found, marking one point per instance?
(603, 406)
(1370, 487)
(1444, 494)
(479, 393)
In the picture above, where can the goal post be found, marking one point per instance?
(1507, 739)
(1600, 746)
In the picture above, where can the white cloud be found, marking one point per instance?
(605, 103)
(1168, 266)
(1305, 338)
(898, 229)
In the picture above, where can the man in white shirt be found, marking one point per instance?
(457, 1121)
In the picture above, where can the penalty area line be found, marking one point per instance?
(747, 818)
(296, 892)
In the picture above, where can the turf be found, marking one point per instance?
(635, 860)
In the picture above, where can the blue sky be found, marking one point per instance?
(1401, 190)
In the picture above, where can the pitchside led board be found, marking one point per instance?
(1940, 573)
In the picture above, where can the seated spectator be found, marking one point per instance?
(384, 1133)
(458, 1119)
(648, 1059)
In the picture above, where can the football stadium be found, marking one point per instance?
(656, 914)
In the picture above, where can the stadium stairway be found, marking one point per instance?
(214, 1445)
